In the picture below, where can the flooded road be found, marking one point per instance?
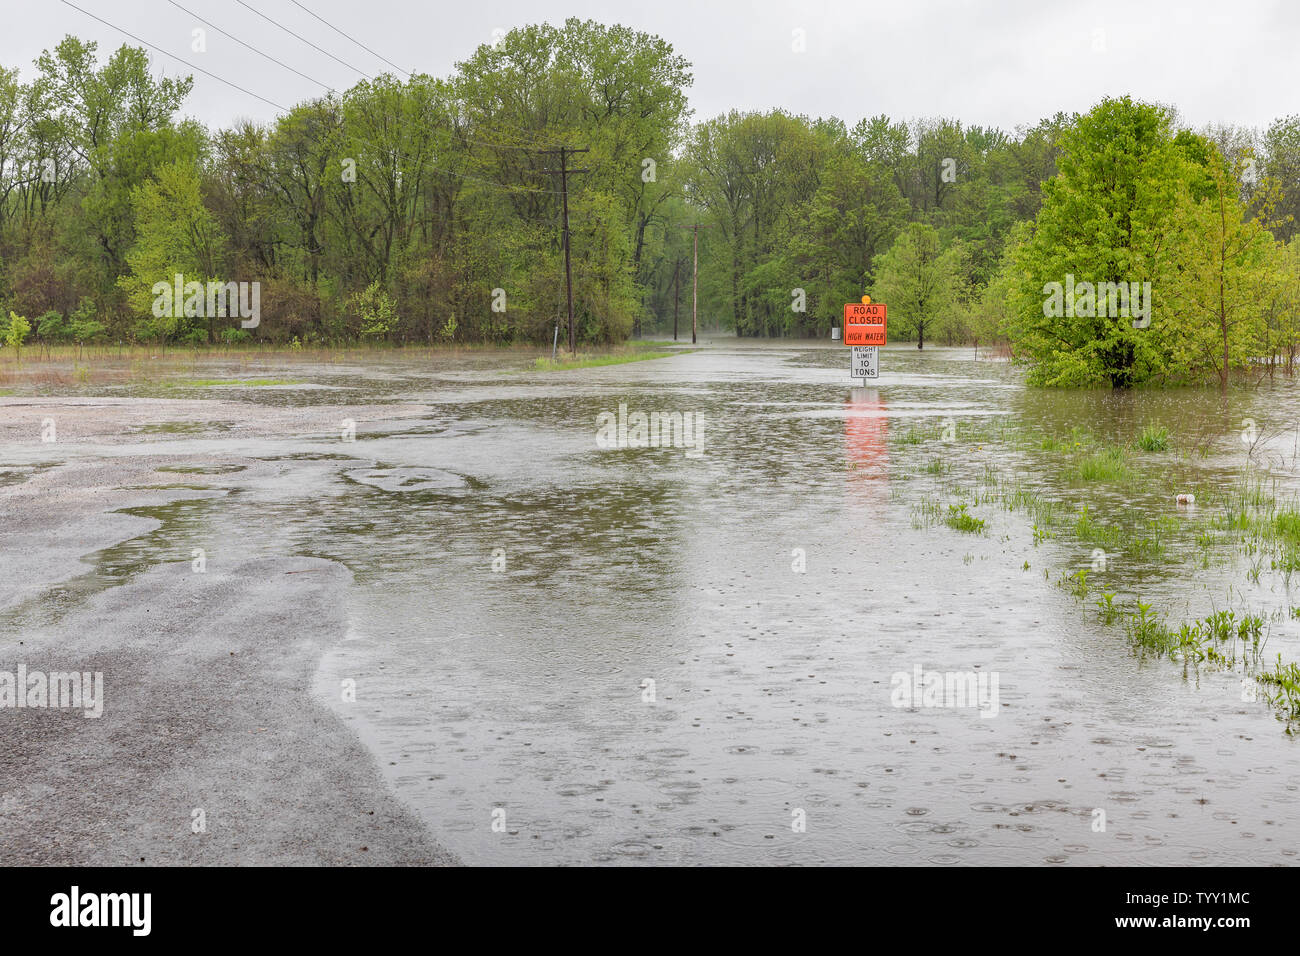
(561, 652)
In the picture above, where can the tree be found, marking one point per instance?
(375, 308)
(1107, 221)
(176, 235)
(1223, 263)
(919, 280)
(837, 237)
(16, 333)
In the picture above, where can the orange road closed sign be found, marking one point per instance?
(865, 324)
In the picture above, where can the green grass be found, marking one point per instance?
(546, 365)
(1247, 517)
(1283, 688)
(1154, 438)
(1145, 629)
(959, 520)
(1105, 465)
(1286, 526)
(249, 382)
(1078, 583)
(1091, 531)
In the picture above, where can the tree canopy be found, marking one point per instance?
(428, 209)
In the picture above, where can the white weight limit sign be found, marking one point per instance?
(865, 362)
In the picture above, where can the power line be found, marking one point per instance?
(352, 39)
(175, 57)
(305, 40)
(486, 182)
(327, 88)
(343, 34)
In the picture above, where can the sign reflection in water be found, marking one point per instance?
(866, 442)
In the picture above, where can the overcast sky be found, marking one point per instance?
(989, 63)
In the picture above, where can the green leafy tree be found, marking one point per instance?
(1217, 294)
(375, 308)
(16, 333)
(175, 234)
(1108, 216)
(919, 280)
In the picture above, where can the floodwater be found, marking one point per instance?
(571, 654)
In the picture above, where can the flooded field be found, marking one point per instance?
(560, 648)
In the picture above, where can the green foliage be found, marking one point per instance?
(82, 324)
(920, 281)
(959, 520)
(51, 327)
(175, 235)
(1141, 265)
(443, 189)
(376, 310)
(1154, 438)
(15, 332)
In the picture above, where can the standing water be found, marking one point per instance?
(568, 647)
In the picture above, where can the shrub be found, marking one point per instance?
(376, 310)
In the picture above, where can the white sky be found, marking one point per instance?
(989, 63)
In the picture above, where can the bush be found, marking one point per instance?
(51, 327)
(376, 310)
(82, 325)
(16, 332)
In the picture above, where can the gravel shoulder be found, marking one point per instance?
(208, 710)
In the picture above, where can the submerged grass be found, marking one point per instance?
(1154, 438)
(546, 365)
(1282, 687)
(959, 520)
(248, 382)
(1245, 517)
(1108, 464)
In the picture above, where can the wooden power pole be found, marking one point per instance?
(676, 288)
(564, 199)
(695, 281)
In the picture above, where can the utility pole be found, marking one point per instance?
(695, 281)
(695, 285)
(676, 295)
(564, 198)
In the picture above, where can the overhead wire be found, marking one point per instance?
(352, 39)
(449, 172)
(173, 56)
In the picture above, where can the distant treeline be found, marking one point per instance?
(428, 209)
